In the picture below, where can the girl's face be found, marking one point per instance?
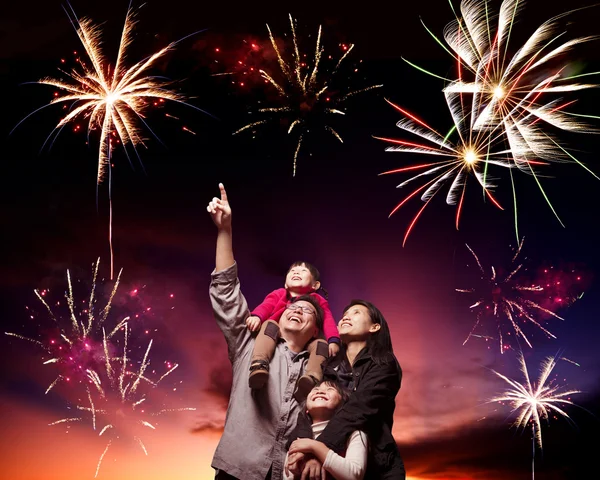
(357, 324)
(299, 280)
(323, 401)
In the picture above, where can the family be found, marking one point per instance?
(310, 399)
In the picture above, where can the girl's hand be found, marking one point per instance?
(253, 323)
(334, 349)
(303, 445)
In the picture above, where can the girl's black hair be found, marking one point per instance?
(314, 273)
(304, 422)
(338, 388)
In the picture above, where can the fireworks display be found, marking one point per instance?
(110, 98)
(511, 106)
(499, 99)
(508, 90)
(305, 89)
(239, 61)
(118, 402)
(106, 372)
(511, 300)
(469, 157)
(533, 402)
(76, 344)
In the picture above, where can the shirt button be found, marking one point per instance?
(356, 374)
(354, 389)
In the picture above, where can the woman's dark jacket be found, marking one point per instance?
(370, 408)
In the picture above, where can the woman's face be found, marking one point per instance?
(322, 401)
(356, 324)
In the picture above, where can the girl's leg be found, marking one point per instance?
(313, 373)
(264, 349)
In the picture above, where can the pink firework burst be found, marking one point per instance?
(80, 331)
(511, 301)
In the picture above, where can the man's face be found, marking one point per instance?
(299, 318)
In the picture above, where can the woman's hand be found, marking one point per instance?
(303, 445)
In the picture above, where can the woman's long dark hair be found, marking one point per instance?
(379, 343)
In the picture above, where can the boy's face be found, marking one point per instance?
(300, 280)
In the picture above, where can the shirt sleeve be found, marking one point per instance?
(287, 476)
(265, 310)
(329, 326)
(374, 393)
(354, 464)
(230, 310)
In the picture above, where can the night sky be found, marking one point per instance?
(333, 213)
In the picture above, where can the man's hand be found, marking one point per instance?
(253, 323)
(219, 210)
(313, 470)
(334, 349)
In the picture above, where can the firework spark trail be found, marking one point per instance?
(79, 354)
(471, 155)
(533, 402)
(125, 383)
(305, 91)
(110, 99)
(112, 390)
(507, 91)
(507, 297)
(121, 413)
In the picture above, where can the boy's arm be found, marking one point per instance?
(267, 307)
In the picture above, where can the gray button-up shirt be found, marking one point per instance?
(258, 422)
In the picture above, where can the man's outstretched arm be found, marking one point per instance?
(220, 212)
(229, 305)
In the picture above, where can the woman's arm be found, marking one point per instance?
(375, 392)
(352, 466)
